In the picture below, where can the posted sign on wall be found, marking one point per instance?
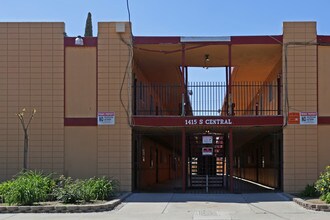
(302, 118)
(308, 118)
(105, 118)
(207, 140)
(207, 151)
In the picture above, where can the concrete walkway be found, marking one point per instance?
(171, 206)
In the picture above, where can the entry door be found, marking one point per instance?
(207, 168)
(206, 165)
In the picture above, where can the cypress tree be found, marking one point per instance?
(89, 27)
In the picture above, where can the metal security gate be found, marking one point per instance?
(206, 161)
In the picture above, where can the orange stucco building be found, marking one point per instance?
(122, 106)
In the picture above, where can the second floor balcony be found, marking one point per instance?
(207, 99)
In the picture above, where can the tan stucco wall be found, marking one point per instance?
(324, 106)
(114, 141)
(31, 76)
(80, 152)
(300, 142)
(324, 80)
(323, 147)
(80, 82)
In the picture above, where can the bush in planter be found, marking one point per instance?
(310, 191)
(67, 190)
(27, 188)
(86, 190)
(4, 187)
(322, 185)
(102, 188)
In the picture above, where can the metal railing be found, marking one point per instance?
(207, 99)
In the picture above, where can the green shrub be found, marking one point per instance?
(104, 188)
(325, 197)
(309, 191)
(322, 185)
(86, 190)
(29, 187)
(67, 190)
(4, 187)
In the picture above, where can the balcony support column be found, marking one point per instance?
(231, 161)
(279, 98)
(184, 77)
(230, 100)
(183, 90)
(183, 159)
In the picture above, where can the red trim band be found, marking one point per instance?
(80, 121)
(177, 121)
(276, 39)
(88, 42)
(323, 120)
(323, 39)
(156, 40)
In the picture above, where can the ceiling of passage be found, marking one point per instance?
(251, 62)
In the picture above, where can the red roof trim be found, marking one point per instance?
(156, 40)
(323, 39)
(275, 39)
(88, 42)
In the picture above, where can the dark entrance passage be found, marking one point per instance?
(258, 159)
(198, 160)
(157, 161)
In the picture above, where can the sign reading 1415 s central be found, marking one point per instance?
(211, 121)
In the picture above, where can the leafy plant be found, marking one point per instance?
(4, 187)
(67, 190)
(103, 188)
(322, 185)
(30, 187)
(27, 188)
(310, 191)
(87, 190)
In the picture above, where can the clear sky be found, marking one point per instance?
(174, 17)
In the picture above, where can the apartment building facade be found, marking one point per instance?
(122, 106)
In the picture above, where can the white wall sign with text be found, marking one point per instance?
(308, 118)
(105, 118)
(207, 140)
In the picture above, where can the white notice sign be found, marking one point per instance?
(105, 118)
(207, 140)
(308, 118)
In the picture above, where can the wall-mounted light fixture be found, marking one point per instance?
(206, 60)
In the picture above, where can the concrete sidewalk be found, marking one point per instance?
(172, 206)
